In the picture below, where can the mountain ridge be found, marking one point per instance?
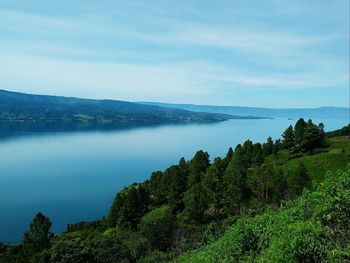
(319, 112)
(23, 107)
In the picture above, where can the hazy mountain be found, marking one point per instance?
(28, 108)
(322, 112)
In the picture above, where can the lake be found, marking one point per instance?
(73, 176)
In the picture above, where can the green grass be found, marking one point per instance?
(156, 214)
(335, 156)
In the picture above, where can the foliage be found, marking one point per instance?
(158, 227)
(196, 203)
(98, 225)
(313, 228)
(38, 235)
(197, 167)
(336, 156)
(313, 137)
(129, 206)
(299, 129)
(213, 184)
(88, 247)
(288, 137)
(156, 256)
(235, 178)
(345, 131)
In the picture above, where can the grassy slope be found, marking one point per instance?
(155, 214)
(334, 157)
(297, 229)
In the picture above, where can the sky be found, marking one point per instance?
(272, 53)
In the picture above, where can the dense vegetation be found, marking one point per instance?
(313, 228)
(345, 131)
(270, 202)
(20, 107)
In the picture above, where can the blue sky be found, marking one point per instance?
(273, 53)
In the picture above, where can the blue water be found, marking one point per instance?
(74, 176)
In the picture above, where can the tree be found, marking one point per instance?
(38, 236)
(228, 156)
(268, 146)
(235, 178)
(247, 151)
(258, 155)
(158, 227)
(299, 130)
(276, 146)
(177, 186)
(157, 186)
(322, 135)
(197, 167)
(263, 180)
(213, 182)
(129, 206)
(196, 203)
(314, 136)
(297, 181)
(183, 168)
(288, 137)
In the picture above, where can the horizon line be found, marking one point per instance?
(171, 103)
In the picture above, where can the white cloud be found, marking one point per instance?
(92, 79)
(86, 54)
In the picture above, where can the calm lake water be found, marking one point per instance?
(74, 176)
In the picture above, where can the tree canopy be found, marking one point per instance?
(38, 236)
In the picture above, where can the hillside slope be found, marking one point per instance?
(22, 107)
(331, 158)
(313, 228)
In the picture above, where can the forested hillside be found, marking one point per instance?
(280, 201)
(312, 228)
(28, 108)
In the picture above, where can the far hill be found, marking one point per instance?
(322, 112)
(28, 108)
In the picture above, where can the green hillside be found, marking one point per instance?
(313, 228)
(334, 156)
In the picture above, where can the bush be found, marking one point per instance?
(88, 247)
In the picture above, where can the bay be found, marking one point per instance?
(73, 176)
